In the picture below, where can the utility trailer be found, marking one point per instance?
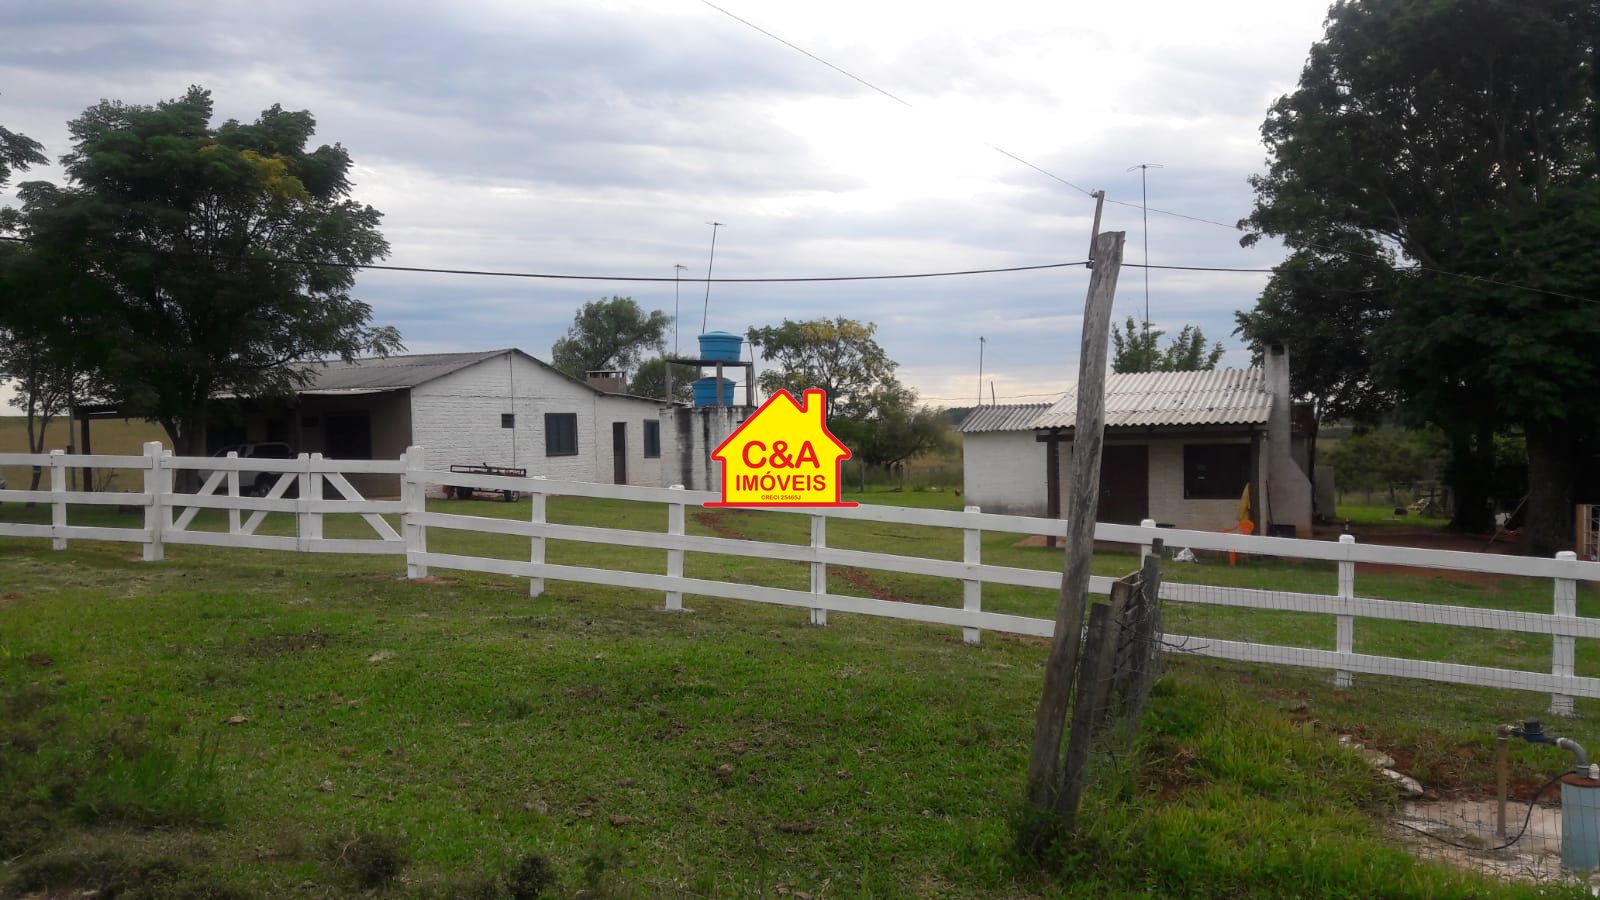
(456, 492)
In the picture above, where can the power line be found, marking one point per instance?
(891, 95)
(429, 270)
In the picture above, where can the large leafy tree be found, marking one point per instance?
(610, 333)
(1135, 349)
(868, 408)
(1459, 135)
(1325, 305)
(223, 256)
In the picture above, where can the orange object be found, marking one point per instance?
(1245, 527)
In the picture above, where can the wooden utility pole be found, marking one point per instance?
(1044, 762)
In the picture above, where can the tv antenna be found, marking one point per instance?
(1144, 208)
(706, 310)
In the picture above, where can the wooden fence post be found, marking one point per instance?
(971, 588)
(675, 555)
(416, 503)
(58, 500)
(233, 491)
(1563, 655)
(154, 517)
(1345, 626)
(1049, 718)
(819, 570)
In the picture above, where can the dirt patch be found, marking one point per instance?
(718, 525)
(281, 644)
(856, 578)
(1461, 832)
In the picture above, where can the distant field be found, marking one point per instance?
(120, 436)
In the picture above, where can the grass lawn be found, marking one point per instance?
(236, 723)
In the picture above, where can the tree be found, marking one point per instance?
(18, 151)
(868, 408)
(1324, 306)
(223, 256)
(838, 355)
(42, 379)
(651, 380)
(610, 333)
(1464, 136)
(1138, 350)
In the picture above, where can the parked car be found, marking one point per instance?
(259, 483)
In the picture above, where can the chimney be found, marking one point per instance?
(1288, 489)
(611, 381)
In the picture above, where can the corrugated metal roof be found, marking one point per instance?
(390, 373)
(1009, 417)
(1217, 397)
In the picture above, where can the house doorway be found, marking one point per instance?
(619, 452)
(348, 436)
(1124, 484)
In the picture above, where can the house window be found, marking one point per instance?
(508, 420)
(560, 434)
(1215, 471)
(652, 439)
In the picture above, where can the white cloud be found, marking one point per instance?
(602, 136)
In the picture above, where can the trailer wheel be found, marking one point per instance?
(512, 496)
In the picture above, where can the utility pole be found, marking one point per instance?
(706, 311)
(1044, 761)
(981, 341)
(1144, 209)
(677, 273)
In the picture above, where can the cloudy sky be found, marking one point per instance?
(602, 137)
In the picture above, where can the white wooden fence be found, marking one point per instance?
(168, 517)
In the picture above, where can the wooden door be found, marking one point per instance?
(1124, 484)
(619, 452)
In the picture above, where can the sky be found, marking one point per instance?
(601, 137)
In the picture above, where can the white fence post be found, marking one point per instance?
(304, 527)
(154, 516)
(416, 503)
(313, 518)
(58, 500)
(971, 588)
(233, 491)
(675, 555)
(1564, 654)
(536, 515)
(819, 569)
(1344, 639)
(1144, 547)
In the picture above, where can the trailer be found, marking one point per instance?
(457, 492)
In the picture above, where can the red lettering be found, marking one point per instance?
(754, 463)
(807, 453)
(746, 482)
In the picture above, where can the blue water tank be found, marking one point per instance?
(705, 391)
(720, 345)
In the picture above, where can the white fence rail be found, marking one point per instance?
(301, 485)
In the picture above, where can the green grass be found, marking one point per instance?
(1359, 514)
(451, 729)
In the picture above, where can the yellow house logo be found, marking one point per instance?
(784, 455)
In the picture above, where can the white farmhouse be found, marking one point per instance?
(495, 407)
(1182, 448)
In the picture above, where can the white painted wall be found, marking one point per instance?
(456, 419)
(1003, 472)
(1167, 486)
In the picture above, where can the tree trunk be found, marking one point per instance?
(1548, 525)
(1469, 474)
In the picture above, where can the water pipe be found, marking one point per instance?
(1580, 795)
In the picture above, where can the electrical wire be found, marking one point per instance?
(1524, 830)
(1234, 227)
(797, 279)
(891, 95)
